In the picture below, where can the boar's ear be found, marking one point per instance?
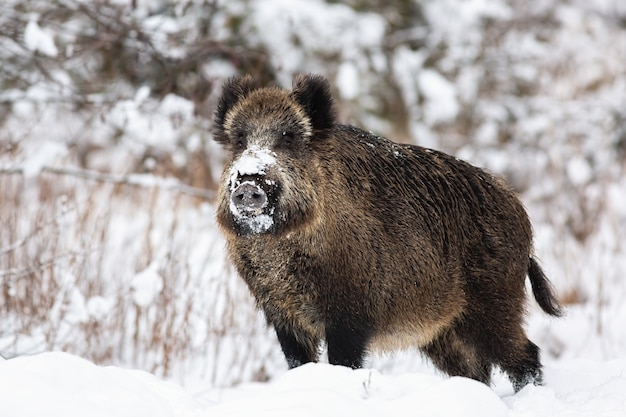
(233, 90)
(313, 93)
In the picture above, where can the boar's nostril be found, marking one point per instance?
(249, 197)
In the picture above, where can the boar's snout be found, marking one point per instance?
(249, 197)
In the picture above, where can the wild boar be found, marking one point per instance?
(349, 238)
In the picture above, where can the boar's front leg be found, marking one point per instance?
(298, 347)
(347, 343)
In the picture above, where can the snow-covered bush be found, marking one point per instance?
(108, 248)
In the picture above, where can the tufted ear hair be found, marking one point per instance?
(233, 90)
(313, 93)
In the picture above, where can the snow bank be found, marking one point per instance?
(58, 384)
(326, 390)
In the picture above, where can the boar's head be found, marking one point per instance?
(275, 139)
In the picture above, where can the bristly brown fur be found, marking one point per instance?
(376, 245)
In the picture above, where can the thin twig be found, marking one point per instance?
(22, 241)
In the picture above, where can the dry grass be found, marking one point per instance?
(70, 251)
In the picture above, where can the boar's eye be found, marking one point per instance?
(240, 140)
(288, 138)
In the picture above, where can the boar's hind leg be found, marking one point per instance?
(453, 354)
(508, 347)
(520, 361)
(298, 348)
(347, 344)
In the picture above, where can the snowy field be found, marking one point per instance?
(116, 297)
(58, 384)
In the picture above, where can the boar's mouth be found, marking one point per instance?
(251, 206)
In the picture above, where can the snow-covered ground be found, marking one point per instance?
(61, 385)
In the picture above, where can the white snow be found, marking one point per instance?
(59, 384)
(43, 153)
(253, 161)
(292, 33)
(37, 39)
(99, 307)
(257, 223)
(578, 170)
(441, 103)
(62, 385)
(147, 285)
(348, 81)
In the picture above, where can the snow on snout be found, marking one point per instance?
(253, 161)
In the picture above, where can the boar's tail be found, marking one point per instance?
(542, 290)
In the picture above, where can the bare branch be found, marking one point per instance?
(135, 180)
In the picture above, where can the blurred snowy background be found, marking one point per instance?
(108, 244)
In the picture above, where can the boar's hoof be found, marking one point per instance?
(248, 197)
